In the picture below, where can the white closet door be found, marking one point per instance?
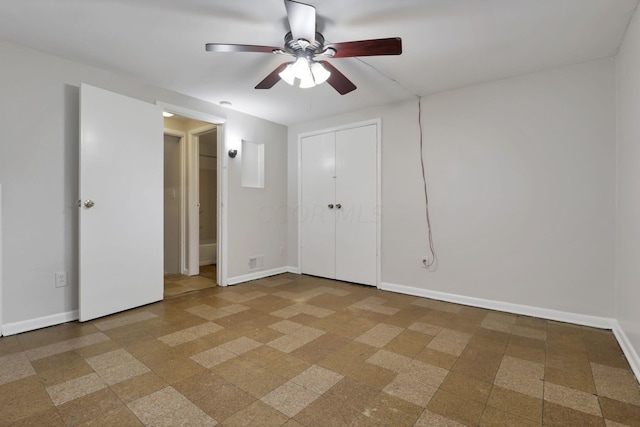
(121, 190)
(356, 193)
(317, 217)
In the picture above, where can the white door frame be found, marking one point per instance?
(220, 122)
(222, 196)
(1, 270)
(193, 198)
(378, 123)
(183, 183)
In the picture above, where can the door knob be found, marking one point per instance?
(338, 206)
(89, 204)
(330, 206)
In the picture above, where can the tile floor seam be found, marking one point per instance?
(124, 404)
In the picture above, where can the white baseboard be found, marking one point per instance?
(294, 270)
(560, 316)
(627, 348)
(257, 275)
(40, 322)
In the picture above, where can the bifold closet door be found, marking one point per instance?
(356, 193)
(339, 211)
(317, 205)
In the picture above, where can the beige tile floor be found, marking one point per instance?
(301, 351)
(177, 284)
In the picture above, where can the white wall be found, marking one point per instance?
(38, 170)
(263, 228)
(521, 180)
(628, 179)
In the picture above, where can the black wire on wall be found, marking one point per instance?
(431, 260)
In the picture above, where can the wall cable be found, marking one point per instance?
(386, 77)
(430, 246)
(432, 260)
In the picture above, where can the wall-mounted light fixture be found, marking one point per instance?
(233, 153)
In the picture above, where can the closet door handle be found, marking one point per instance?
(338, 206)
(330, 206)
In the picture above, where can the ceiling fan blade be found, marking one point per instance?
(223, 47)
(390, 46)
(273, 77)
(338, 80)
(302, 20)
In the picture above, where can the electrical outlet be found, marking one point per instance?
(61, 279)
(425, 261)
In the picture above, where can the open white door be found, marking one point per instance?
(121, 203)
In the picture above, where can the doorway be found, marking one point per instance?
(191, 205)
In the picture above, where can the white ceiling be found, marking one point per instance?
(446, 43)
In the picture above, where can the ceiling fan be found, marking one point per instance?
(304, 43)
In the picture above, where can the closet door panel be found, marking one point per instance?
(356, 193)
(318, 192)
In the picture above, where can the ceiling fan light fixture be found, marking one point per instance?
(288, 75)
(297, 70)
(320, 73)
(307, 81)
(303, 70)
